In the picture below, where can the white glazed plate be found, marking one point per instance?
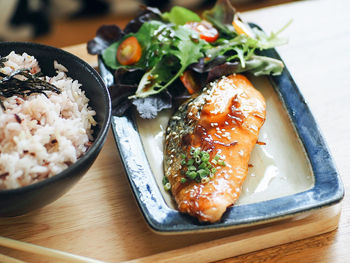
(292, 173)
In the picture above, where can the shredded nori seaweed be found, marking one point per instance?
(10, 85)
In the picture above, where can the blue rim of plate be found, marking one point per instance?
(327, 190)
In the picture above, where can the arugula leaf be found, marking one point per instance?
(179, 16)
(261, 65)
(158, 78)
(243, 47)
(269, 41)
(221, 16)
(182, 52)
(258, 65)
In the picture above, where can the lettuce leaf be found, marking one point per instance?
(179, 50)
(221, 16)
(147, 37)
(105, 36)
(242, 48)
(179, 16)
(258, 65)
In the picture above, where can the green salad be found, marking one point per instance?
(163, 52)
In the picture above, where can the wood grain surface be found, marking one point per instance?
(99, 218)
(318, 57)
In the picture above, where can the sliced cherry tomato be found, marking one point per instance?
(206, 30)
(189, 82)
(129, 51)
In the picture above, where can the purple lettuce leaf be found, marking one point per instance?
(148, 14)
(105, 36)
(202, 66)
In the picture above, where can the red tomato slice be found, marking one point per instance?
(129, 51)
(206, 30)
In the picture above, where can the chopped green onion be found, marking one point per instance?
(190, 162)
(205, 158)
(192, 150)
(203, 173)
(197, 152)
(191, 174)
(167, 186)
(202, 166)
(204, 153)
(165, 180)
(191, 168)
(222, 163)
(205, 180)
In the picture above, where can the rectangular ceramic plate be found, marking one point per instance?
(291, 174)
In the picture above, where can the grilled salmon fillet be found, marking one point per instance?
(208, 145)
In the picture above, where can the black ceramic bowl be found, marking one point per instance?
(22, 200)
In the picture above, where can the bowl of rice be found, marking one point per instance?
(54, 117)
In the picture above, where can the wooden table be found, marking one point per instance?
(318, 57)
(98, 218)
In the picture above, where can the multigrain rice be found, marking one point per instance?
(41, 136)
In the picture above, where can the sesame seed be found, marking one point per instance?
(217, 135)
